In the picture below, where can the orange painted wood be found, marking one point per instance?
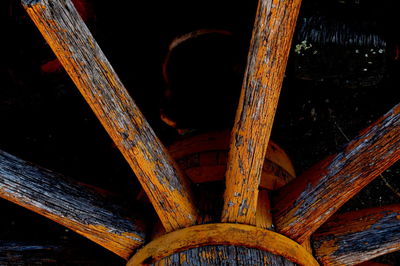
(358, 236)
(75, 47)
(222, 234)
(70, 204)
(308, 201)
(269, 48)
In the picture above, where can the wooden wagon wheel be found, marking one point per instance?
(246, 233)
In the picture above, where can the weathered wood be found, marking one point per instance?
(64, 201)
(13, 253)
(75, 47)
(309, 200)
(209, 201)
(358, 236)
(203, 158)
(210, 205)
(269, 48)
(224, 255)
(222, 234)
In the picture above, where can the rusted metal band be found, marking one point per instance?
(222, 234)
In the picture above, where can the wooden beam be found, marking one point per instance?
(358, 236)
(309, 200)
(78, 52)
(269, 49)
(64, 201)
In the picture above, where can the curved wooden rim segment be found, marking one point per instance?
(266, 64)
(219, 141)
(222, 234)
(86, 64)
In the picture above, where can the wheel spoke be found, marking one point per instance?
(75, 47)
(266, 63)
(307, 202)
(354, 237)
(66, 202)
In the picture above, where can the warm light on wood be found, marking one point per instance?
(78, 52)
(263, 215)
(222, 234)
(269, 49)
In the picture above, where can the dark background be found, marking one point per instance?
(327, 96)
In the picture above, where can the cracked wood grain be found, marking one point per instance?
(358, 236)
(224, 255)
(78, 52)
(68, 203)
(309, 200)
(269, 48)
